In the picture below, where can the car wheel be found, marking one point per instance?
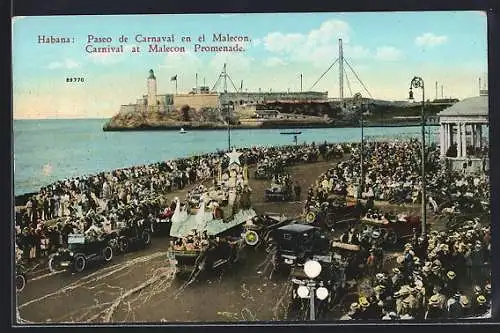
(79, 263)
(107, 253)
(146, 238)
(391, 237)
(123, 244)
(53, 265)
(20, 282)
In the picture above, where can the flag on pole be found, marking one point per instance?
(173, 78)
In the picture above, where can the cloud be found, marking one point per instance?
(256, 42)
(430, 40)
(318, 47)
(236, 62)
(388, 53)
(67, 64)
(274, 62)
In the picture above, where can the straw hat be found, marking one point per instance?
(363, 302)
(354, 306)
(481, 299)
(451, 275)
(434, 300)
(396, 270)
(464, 301)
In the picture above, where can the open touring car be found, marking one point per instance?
(333, 211)
(82, 249)
(389, 229)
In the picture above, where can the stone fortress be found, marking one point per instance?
(202, 97)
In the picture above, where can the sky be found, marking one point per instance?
(385, 50)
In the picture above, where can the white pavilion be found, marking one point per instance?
(464, 134)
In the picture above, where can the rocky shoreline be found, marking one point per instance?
(198, 126)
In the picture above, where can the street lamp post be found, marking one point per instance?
(418, 82)
(312, 268)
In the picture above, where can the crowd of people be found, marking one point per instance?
(392, 172)
(78, 203)
(446, 276)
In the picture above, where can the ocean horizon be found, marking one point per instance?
(48, 150)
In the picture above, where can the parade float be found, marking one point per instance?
(209, 229)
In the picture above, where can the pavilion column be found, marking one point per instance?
(442, 142)
(479, 135)
(447, 137)
(449, 134)
(459, 139)
(464, 140)
(473, 133)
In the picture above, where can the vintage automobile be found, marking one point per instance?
(21, 277)
(203, 242)
(259, 228)
(133, 235)
(334, 211)
(268, 170)
(295, 243)
(81, 250)
(279, 192)
(162, 223)
(389, 230)
(204, 256)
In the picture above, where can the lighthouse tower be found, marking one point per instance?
(152, 101)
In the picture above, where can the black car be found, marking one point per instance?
(21, 278)
(295, 243)
(134, 235)
(82, 249)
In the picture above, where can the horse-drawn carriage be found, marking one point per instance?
(82, 249)
(389, 230)
(333, 211)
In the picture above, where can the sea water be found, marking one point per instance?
(49, 150)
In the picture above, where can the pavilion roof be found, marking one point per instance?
(473, 106)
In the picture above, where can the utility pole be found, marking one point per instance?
(436, 90)
(300, 82)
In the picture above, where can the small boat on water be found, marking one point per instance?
(182, 131)
(291, 132)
